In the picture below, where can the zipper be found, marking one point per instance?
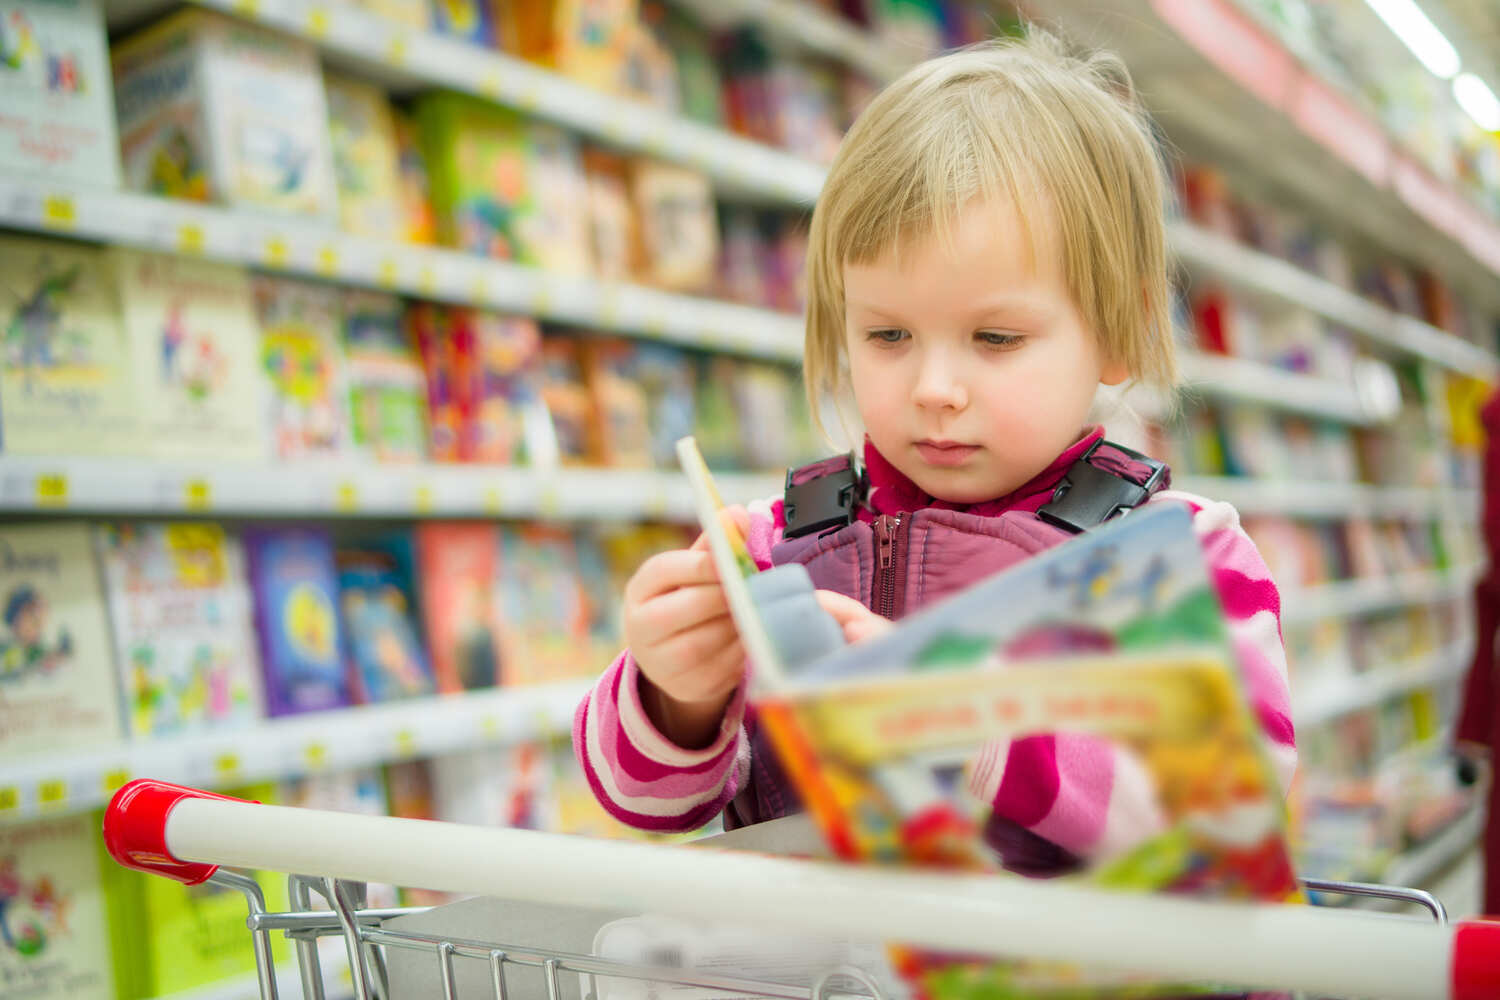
(887, 532)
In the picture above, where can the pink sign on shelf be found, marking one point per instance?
(1236, 45)
(1341, 128)
(1425, 195)
(1482, 237)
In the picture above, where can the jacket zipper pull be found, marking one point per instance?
(885, 535)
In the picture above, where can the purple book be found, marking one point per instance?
(296, 618)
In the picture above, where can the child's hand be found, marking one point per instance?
(677, 625)
(857, 621)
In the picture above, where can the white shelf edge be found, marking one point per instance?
(1299, 498)
(48, 784)
(1417, 866)
(1347, 598)
(1252, 382)
(738, 166)
(317, 250)
(1325, 700)
(121, 485)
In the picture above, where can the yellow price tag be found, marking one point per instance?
(655, 325)
(530, 98)
(59, 211)
(385, 274)
(656, 505)
(197, 494)
(190, 238)
(656, 142)
(227, 765)
(489, 85)
(52, 793)
(346, 498)
(549, 502)
(277, 252)
(541, 298)
(406, 743)
(609, 308)
(489, 726)
(395, 53)
(52, 490)
(10, 798)
(423, 502)
(479, 291)
(316, 755)
(317, 22)
(426, 280)
(493, 502)
(328, 261)
(247, 8)
(115, 780)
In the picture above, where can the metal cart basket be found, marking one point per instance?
(187, 834)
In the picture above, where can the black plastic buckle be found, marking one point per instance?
(1088, 495)
(823, 502)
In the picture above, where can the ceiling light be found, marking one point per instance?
(1419, 34)
(1478, 101)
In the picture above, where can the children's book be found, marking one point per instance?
(569, 402)
(65, 385)
(54, 941)
(362, 133)
(457, 570)
(194, 356)
(377, 597)
(678, 225)
(58, 689)
(296, 615)
(544, 608)
(55, 88)
(622, 405)
(183, 631)
(301, 350)
(497, 386)
(387, 386)
(1113, 643)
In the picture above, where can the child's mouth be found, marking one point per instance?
(945, 453)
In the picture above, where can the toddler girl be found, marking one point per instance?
(988, 251)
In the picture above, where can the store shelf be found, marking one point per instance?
(45, 784)
(1223, 88)
(1350, 598)
(1321, 701)
(1259, 273)
(298, 246)
(815, 30)
(1302, 498)
(115, 486)
(1421, 864)
(1251, 382)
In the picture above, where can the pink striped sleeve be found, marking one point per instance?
(640, 777)
(1089, 797)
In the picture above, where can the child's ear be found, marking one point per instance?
(1113, 373)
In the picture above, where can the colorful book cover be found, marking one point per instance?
(543, 608)
(183, 628)
(613, 239)
(378, 599)
(504, 186)
(666, 376)
(678, 225)
(468, 20)
(55, 88)
(387, 385)
(219, 109)
(65, 386)
(296, 616)
(456, 563)
(1115, 638)
(54, 939)
(622, 405)
(432, 331)
(168, 937)
(413, 14)
(408, 794)
(365, 157)
(418, 224)
(302, 353)
(569, 402)
(58, 689)
(504, 420)
(194, 356)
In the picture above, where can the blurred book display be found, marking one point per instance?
(333, 395)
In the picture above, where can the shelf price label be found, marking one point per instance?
(489, 727)
(277, 251)
(59, 211)
(190, 238)
(540, 298)
(227, 766)
(395, 52)
(385, 274)
(113, 781)
(328, 260)
(317, 22)
(489, 85)
(549, 501)
(10, 799)
(493, 502)
(52, 490)
(52, 793)
(315, 755)
(406, 743)
(423, 500)
(346, 497)
(197, 494)
(655, 506)
(426, 281)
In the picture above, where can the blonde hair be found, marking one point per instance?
(1021, 118)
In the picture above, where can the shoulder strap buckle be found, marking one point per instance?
(1090, 494)
(822, 495)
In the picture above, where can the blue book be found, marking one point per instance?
(377, 600)
(296, 599)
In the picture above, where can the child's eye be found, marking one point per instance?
(994, 338)
(892, 335)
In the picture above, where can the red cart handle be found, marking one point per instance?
(135, 829)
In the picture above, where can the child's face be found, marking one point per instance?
(972, 368)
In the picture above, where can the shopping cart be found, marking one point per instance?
(186, 834)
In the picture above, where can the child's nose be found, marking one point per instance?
(940, 383)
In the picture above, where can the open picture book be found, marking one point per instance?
(1112, 645)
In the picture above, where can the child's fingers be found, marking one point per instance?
(664, 615)
(687, 652)
(857, 621)
(707, 679)
(668, 570)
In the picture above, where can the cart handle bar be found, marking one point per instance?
(179, 832)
